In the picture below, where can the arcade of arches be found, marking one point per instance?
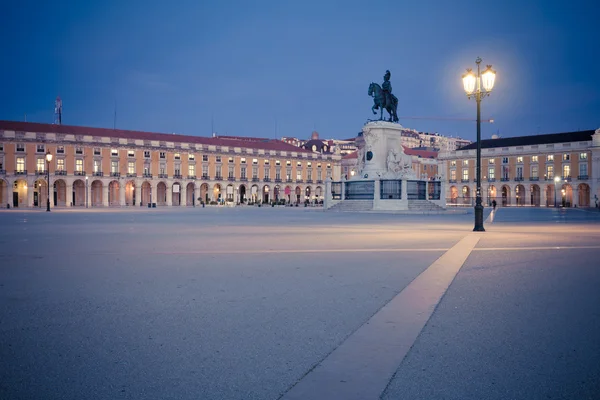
(97, 192)
(561, 195)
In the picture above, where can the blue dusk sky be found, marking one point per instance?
(284, 68)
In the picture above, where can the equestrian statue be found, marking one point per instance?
(383, 98)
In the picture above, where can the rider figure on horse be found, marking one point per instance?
(387, 88)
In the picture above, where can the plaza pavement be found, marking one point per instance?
(285, 303)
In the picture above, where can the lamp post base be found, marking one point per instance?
(48, 205)
(478, 216)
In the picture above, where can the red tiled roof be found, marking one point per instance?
(266, 144)
(420, 153)
(350, 156)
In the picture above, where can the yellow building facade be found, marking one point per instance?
(93, 167)
(544, 170)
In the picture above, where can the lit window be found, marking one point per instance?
(453, 163)
(131, 167)
(79, 165)
(78, 150)
(550, 172)
(465, 174)
(288, 163)
(566, 157)
(491, 161)
(453, 175)
(491, 173)
(41, 165)
(550, 157)
(130, 153)
(534, 158)
(309, 164)
(277, 162)
(96, 165)
(583, 156)
(566, 171)
(465, 162)
(254, 161)
(191, 170)
(60, 164)
(191, 157)
(230, 160)
(266, 162)
(243, 160)
(534, 171)
(299, 164)
(20, 164)
(114, 152)
(40, 148)
(114, 167)
(520, 160)
(177, 156)
(96, 151)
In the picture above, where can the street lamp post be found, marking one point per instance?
(48, 159)
(473, 87)
(86, 192)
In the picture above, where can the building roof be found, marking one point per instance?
(581, 136)
(319, 145)
(350, 156)
(231, 141)
(420, 152)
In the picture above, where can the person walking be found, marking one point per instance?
(494, 204)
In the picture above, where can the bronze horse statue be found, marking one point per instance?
(380, 102)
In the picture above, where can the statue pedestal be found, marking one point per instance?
(381, 154)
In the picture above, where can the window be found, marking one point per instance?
(60, 164)
(114, 153)
(97, 166)
(505, 172)
(299, 175)
(453, 163)
(288, 174)
(465, 162)
(243, 160)
(328, 173)
(453, 174)
(549, 172)
(114, 167)
(131, 167)
(520, 160)
(1, 146)
(309, 174)
(267, 171)
(146, 153)
(465, 191)
(205, 157)
(534, 171)
(191, 157)
(566, 157)
(177, 171)
(162, 170)
(254, 161)
(218, 171)
(566, 171)
(40, 148)
(289, 163)
(298, 164)
(130, 153)
(78, 150)
(230, 160)
(254, 172)
(491, 161)
(534, 159)
(230, 173)
(504, 160)
(162, 154)
(519, 171)
(218, 159)
(309, 164)
(243, 172)
(266, 162)
(20, 164)
(328, 166)
(277, 163)
(20, 147)
(465, 174)
(191, 170)
(583, 156)
(583, 169)
(96, 151)
(146, 169)
(550, 157)
(205, 170)
(60, 150)
(79, 165)
(177, 156)
(491, 173)
(41, 164)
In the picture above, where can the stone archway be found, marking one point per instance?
(242, 194)
(566, 195)
(520, 195)
(491, 193)
(453, 195)
(229, 193)
(583, 194)
(550, 196)
(113, 193)
(318, 192)
(146, 193)
(204, 193)
(3, 193)
(161, 194)
(265, 194)
(40, 193)
(190, 192)
(276, 193)
(60, 193)
(254, 193)
(466, 195)
(96, 194)
(78, 193)
(307, 193)
(130, 199)
(216, 193)
(298, 193)
(535, 195)
(288, 193)
(176, 194)
(505, 195)
(20, 193)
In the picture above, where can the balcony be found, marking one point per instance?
(288, 180)
(23, 172)
(176, 176)
(319, 180)
(205, 176)
(309, 181)
(244, 179)
(79, 173)
(98, 173)
(132, 175)
(278, 180)
(566, 178)
(491, 180)
(505, 179)
(299, 181)
(147, 175)
(267, 179)
(464, 181)
(191, 177)
(518, 179)
(163, 176)
(2, 172)
(534, 178)
(255, 179)
(218, 178)
(583, 177)
(115, 174)
(451, 180)
(40, 172)
(60, 172)
(231, 178)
